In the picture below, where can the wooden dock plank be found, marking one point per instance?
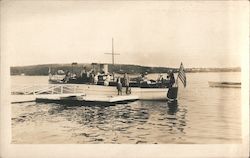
(74, 97)
(22, 98)
(99, 99)
(32, 98)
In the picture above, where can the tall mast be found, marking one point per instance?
(113, 58)
(113, 52)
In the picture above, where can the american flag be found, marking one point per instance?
(182, 75)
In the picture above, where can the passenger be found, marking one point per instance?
(83, 72)
(160, 78)
(88, 74)
(168, 79)
(91, 77)
(144, 76)
(172, 79)
(107, 80)
(67, 76)
(96, 79)
(119, 86)
(73, 75)
(126, 82)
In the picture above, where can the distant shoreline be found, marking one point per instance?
(42, 70)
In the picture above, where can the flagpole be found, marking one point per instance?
(177, 80)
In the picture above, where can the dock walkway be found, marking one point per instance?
(63, 94)
(38, 89)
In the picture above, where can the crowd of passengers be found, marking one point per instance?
(93, 77)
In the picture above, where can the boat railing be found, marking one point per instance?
(37, 89)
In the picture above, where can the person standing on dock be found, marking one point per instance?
(92, 77)
(119, 86)
(126, 82)
(83, 72)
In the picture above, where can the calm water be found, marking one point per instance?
(202, 115)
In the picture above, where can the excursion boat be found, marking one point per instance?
(225, 84)
(162, 89)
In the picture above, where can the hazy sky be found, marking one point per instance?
(200, 34)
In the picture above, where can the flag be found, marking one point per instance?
(182, 75)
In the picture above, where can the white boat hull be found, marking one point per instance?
(142, 93)
(225, 84)
(97, 90)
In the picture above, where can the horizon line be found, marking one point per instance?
(120, 64)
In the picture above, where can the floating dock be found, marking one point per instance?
(87, 99)
(75, 98)
(64, 94)
(22, 98)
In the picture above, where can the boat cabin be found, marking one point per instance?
(99, 75)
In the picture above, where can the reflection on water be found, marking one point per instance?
(201, 115)
(138, 122)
